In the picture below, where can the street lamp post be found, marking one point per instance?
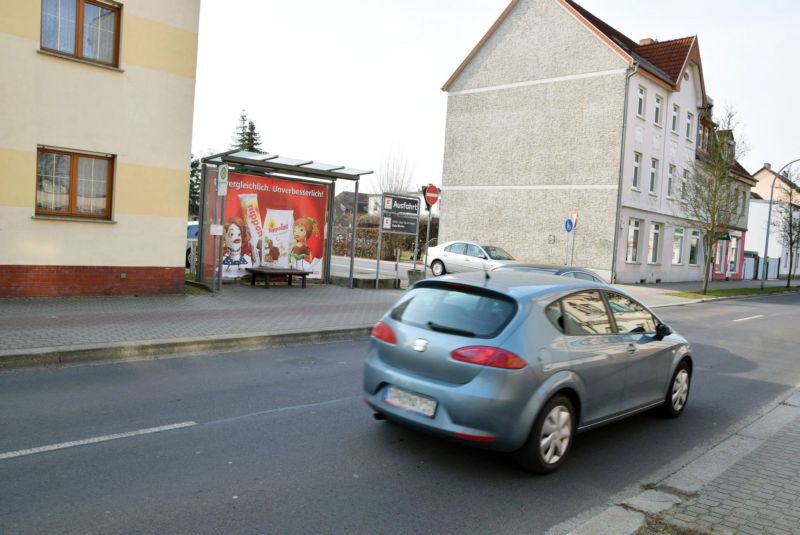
(769, 222)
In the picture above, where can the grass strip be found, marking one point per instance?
(735, 292)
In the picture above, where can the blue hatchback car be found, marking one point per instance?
(522, 362)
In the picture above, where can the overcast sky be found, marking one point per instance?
(352, 81)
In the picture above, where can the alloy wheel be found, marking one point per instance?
(556, 434)
(680, 390)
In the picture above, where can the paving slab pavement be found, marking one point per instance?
(41, 331)
(748, 484)
(176, 323)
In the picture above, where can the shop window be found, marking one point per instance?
(73, 184)
(654, 243)
(694, 248)
(85, 29)
(677, 247)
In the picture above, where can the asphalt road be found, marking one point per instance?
(280, 442)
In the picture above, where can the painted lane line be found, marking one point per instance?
(749, 318)
(94, 440)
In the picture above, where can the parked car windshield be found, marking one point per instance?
(496, 253)
(456, 311)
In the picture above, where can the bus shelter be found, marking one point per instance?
(261, 209)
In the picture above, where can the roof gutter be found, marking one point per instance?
(617, 222)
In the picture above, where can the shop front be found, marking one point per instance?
(728, 261)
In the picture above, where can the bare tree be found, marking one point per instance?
(787, 222)
(394, 174)
(711, 195)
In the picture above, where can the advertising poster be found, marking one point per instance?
(273, 222)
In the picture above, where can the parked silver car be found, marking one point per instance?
(522, 362)
(465, 256)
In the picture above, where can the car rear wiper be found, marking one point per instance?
(450, 330)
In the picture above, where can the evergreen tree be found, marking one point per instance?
(194, 187)
(239, 140)
(246, 137)
(252, 138)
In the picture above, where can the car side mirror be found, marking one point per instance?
(482, 256)
(662, 330)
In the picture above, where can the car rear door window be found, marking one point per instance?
(457, 311)
(630, 316)
(474, 251)
(457, 248)
(585, 313)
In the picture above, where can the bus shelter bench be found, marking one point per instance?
(287, 273)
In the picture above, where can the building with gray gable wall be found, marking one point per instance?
(539, 127)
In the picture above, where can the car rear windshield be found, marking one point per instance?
(453, 309)
(496, 253)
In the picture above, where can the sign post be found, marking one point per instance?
(431, 194)
(574, 235)
(567, 227)
(399, 215)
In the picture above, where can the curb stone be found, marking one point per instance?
(723, 298)
(155, 349)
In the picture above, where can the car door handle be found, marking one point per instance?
(631, 348)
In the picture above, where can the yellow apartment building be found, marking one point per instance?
(96, 103)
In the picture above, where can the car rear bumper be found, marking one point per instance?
(491, 411)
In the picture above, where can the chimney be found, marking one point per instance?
(647, 41)
(767, 166)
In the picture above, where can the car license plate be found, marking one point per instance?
(403, 399)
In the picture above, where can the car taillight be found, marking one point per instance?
(384, 333)
(489, 356)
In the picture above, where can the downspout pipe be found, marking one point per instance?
(631, 71)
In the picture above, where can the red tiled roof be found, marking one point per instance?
(669, 56)
(664, 59)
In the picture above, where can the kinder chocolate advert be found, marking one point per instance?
(273, 222)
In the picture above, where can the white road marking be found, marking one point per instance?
(94, 440)
(750, 318)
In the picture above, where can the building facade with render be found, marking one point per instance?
(785, 192)
(96, 105)
(555, 112)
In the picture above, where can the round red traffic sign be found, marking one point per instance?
(431, 194)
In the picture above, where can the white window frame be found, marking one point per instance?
(658, 116)
(654, 243)
(671, 181)
(637, 170)
(676, 118)
(634, 235)
(683, 183)
(653, 187)
(641, 106)
(689, 126)
(677, 239)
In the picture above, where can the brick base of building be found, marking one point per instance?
(64, 281)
